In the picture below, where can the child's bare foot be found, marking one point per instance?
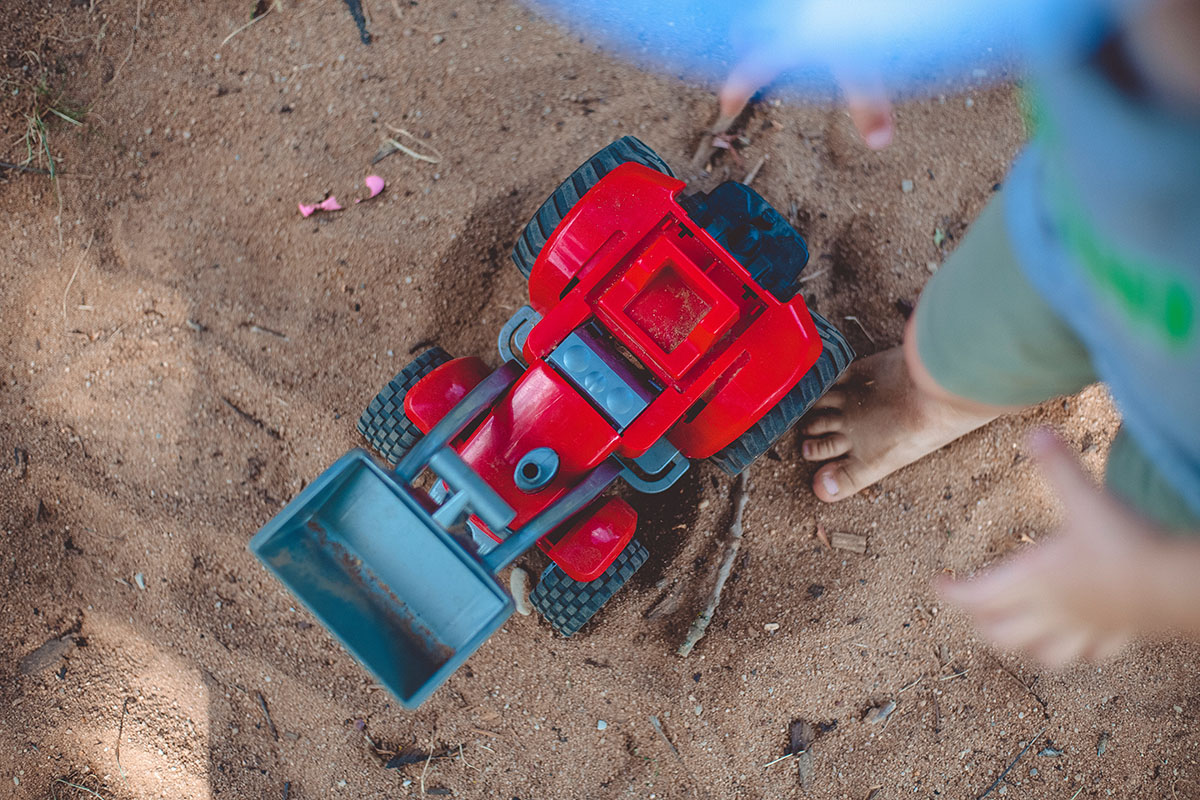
(875, 421)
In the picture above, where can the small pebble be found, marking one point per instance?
(438, 39)
(932, 266)
(906, 186)
(140, 580)
(601, 725)
(771, 627)
(518, 584)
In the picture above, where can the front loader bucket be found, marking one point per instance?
(366, 558)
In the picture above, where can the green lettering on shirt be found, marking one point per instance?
(1147, 293)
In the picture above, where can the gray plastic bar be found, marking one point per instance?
(458, 418)
(483, 499)
(571, 503)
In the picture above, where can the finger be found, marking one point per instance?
(1019, 631)
(873, 120)
(1105, 647)
(1061, 648)
(870, 110)
(1062, 469)
(1002, 586)
(746, 78)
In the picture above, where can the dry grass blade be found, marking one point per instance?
(78, 264)
(391, 145)
(274, 7)
(81, 788)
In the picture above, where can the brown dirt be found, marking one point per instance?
(185, 352)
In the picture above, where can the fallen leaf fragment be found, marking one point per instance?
(374, 185)
(823, 536)
(328, 204)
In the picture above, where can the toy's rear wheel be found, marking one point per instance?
(623, 151)
(754, 233)
(762, 436)
(568, 604)
(384, 424)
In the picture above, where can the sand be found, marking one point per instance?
(183, 352)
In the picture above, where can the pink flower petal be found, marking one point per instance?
(374, 184)
(306, 210)
(330, 204)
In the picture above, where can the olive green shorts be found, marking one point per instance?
(985, 334)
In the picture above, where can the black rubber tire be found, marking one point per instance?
(568, 604)
(564, 198)
(384, 424)
(762, 435)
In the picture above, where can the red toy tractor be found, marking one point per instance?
(661, 328)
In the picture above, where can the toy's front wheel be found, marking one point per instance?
(384, 424)
(625, 150)
(568, 604)
(835, 356)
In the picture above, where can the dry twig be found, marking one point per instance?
(999, 778)
(753, 173)
(740, 498)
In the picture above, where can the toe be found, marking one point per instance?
(831, 399)
(838, 480)
(820, 424)
(825, 447)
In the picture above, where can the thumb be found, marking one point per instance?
(1061, 468)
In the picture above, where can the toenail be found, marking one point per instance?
(829, 483)
(806, 449)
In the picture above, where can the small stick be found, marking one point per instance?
(427, 760)
(861, 327)
(753, 173)
(24, 168)
(784, 758)
(911, 685)
(262, 701)
(659, 729)
(1013, 764)
(696, 632)
(814, 276)
(287, 789)
(120, 730)
(955, 675)
(137, 24)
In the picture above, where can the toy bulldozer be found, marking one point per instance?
(661, 328)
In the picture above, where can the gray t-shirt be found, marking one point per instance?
(1104, 211)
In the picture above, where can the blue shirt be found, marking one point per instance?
(1104, 213)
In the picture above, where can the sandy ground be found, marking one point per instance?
(183, 352)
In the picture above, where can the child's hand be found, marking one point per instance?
(1107, 574)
